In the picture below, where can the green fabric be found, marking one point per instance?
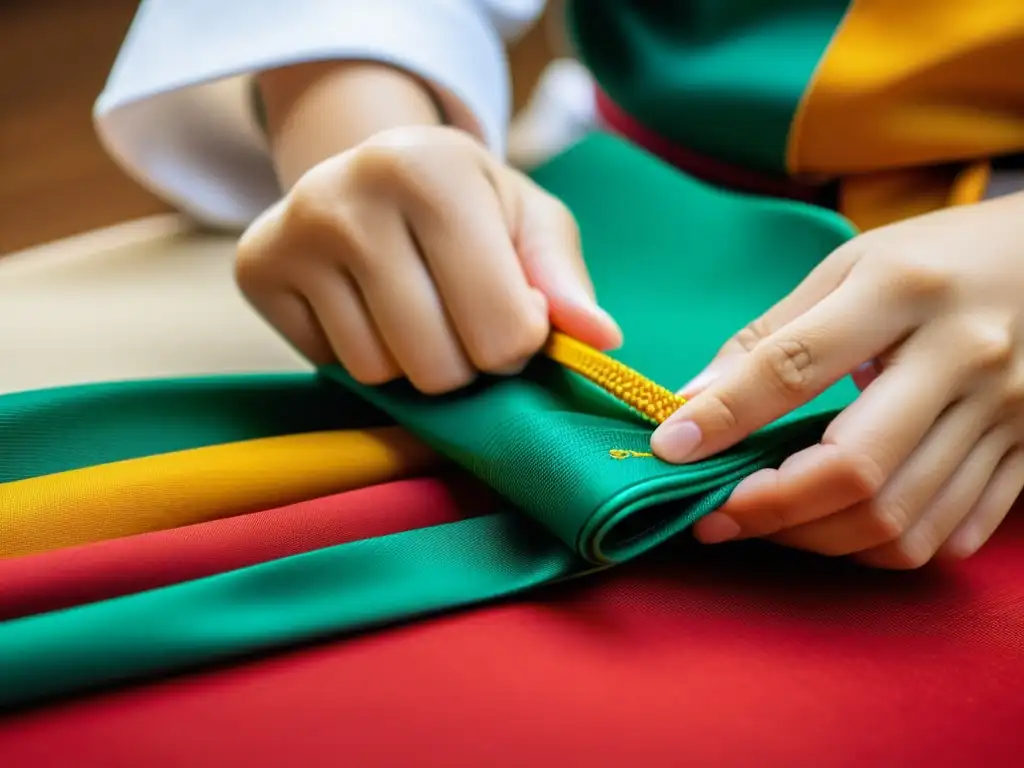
(659, 263)
(721, 77)
(665, 252)
(296, 599)
(56, 430)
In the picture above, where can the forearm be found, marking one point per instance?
(317, 110)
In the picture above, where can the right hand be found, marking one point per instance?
(417, 254)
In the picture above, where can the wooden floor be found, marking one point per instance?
(55, 179)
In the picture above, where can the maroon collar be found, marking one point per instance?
(707, 169)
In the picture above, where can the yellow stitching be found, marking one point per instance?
(621, 453)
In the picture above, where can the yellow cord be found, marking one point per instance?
(650, 400)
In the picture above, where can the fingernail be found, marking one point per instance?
(675, 441)
(578, 297)
(698, 382)
(604, 318)
(965, 543)
(865, 374)
(715, 370)
(612, 325)
(716, 528)
(868, 369)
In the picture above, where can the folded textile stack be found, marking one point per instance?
(156, 527)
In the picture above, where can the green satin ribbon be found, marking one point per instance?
(56, 430)
(680, 265)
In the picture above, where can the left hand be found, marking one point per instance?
(928, 316)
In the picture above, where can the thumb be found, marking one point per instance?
(548, 243)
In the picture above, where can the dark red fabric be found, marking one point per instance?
(66, 577)
(706, 168)
(742, 655)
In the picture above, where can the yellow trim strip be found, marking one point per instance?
(651, 401)
(154, 493)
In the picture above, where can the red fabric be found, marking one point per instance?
(706, 168)
(731, 656)
(67, 577)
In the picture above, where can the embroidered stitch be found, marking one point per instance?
(620, 454)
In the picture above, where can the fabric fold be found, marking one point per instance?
(311, 596)
(682, 266)
(648, 664)
(665, 252)
(103, 570)
(588, 478)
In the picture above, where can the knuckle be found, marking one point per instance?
(955, 550)
(407, 158)
(382, 166)
(565, 221)
(887, 522)
(419, 137)
(522, 341)
(250, 267)
(721, 413)
(770, 519)
(863, 475)
(753, 334)
(318, 225)
(310, 209)
(405, 177)
(255, 250)
(919, 278)
(990, 344)
(787, 365)
(913, 551)
(1001, 438)
(1013, 392)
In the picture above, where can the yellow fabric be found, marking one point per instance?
(970, 185)
(909, 84)
(158, 492)
(876, 199)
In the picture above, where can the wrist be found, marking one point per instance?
(316, 110)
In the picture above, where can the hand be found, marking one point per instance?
(928, 315)
(417, 254)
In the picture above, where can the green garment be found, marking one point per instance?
(57, 430)
(724, 78)
(682, 266)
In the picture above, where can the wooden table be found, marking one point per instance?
(145, 299)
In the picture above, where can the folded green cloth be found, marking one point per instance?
(680, 265)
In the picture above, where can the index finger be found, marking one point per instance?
(784, 371)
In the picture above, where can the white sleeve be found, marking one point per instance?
(177, 111)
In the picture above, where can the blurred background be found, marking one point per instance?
(55, 179)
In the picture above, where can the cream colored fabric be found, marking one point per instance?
(144, 299)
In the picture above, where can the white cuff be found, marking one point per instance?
(561, 111)
(177, 114)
